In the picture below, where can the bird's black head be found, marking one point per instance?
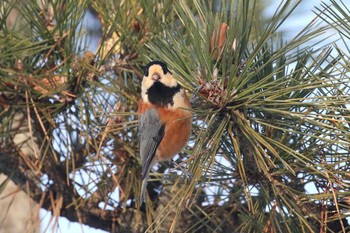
(160, 63)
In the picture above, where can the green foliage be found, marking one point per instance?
(271, 116)
(282, 121)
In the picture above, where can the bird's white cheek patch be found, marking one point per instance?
(144, 97)
(179, 101)
(146, 84)
(168, 80)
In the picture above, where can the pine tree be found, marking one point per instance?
(270, 119)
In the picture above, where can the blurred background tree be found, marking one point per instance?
(270, 142)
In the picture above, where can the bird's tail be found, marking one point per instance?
(143, 190)
(145, 175)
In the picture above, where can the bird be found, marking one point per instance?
(165, 118)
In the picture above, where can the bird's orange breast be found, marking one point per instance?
(178, 125)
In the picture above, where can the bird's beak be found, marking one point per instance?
(155, 77)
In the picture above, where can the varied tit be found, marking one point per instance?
(165, 119)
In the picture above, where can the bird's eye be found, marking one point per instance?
(165, 69)
(146, 73)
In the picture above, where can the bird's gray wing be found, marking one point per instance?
(151, 134)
